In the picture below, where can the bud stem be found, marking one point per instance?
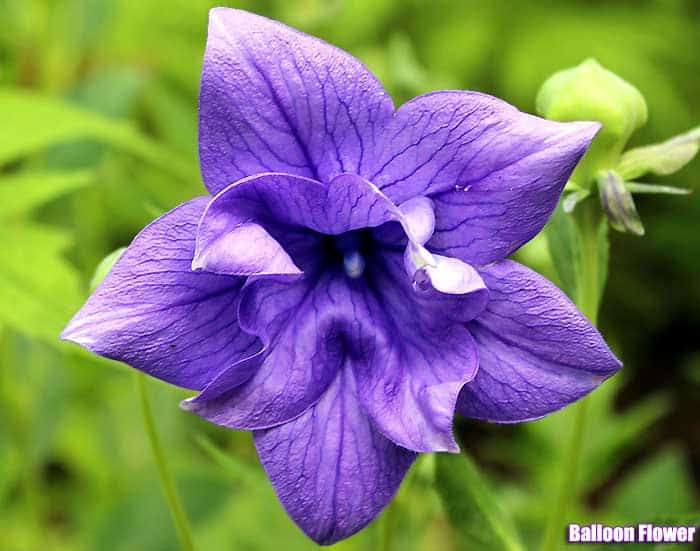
(588, 301)
(588, 282)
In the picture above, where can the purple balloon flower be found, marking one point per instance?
(347, 289)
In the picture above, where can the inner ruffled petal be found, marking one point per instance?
(268, 223)
(229, 245)
(281, 224)
(449, 282)
(316, 329)
(419, 219)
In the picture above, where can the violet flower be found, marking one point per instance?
(347, 288)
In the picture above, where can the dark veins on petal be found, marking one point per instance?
(268, 103)
(154, 313)
(331, 468)
(538, 353)
(338, 293)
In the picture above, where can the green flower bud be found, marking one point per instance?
(591, 92)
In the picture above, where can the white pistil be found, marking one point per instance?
(354, 264)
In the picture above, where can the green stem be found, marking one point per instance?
(390, 517)
(388, 525)
(588, 284)
(588, 300)
(182, 525)
(554, 534)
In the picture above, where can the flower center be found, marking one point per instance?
(354, 264)
(349, 250)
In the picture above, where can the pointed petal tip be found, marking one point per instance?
(439, 443)
(197, 263)
(443, 444)
(586, 130)
(189, 404)
(72, 333)
(65, 334)
(218, 19)
(219, 9)
(223, 11)
(616, 365)
(593, 127)
(609, 366)
(577, 133)
(599, 378)
(451, 447)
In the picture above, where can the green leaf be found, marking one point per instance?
(610, 437)
(618, 203)
(662, 159)
(660, 486)
(41, 305)
(234, 468)
(471, 507)
(406, 71)
(639, 187)
(32, 122)
(105, 266)
(565, 249)
(21, 193)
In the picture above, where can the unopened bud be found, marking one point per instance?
(591, 92)
(618, 203)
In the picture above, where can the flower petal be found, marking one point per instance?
(276, 100)
(454, 277)
(331, 469)
(495, 174)
(240, 248)
(253, 226)
(445, 275)
(154, 313)
(409, 374)
(420, 218)
(411, 370)
(537, 352)
(454, 288)
(301, 325)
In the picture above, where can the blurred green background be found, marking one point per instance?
(98, 135)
